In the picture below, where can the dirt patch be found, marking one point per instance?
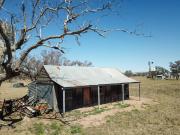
(23, 127)
(7, 91)
(111, 109)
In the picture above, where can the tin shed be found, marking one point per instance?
(69, 87)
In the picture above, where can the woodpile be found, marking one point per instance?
(19, 107)
(25, 107)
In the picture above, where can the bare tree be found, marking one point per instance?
(21, 27)
(30, 16)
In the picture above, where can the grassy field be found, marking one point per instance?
(158, 119)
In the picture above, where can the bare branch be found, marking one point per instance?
(7, 43)
(24, 31)
(71, 16)
(99, 31)
(77, 40)
(102, 32)
(105, 6)
(43, 12)
(23, 8)
(41, 42)
(1, 3)
(22, 39)
(34, 6)
(54, 47)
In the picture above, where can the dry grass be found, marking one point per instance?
(8, 92)
(162, 118)
(92, 116)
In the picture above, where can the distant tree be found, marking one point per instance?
(32, 66)
(158, 71)
(161, 71)
(175, 69)
(77, 63)
(142, 73)
(128, 73)
(51, 57)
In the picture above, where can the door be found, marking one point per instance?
(78, 100)
(86, 96)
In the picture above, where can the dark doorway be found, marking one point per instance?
(78, 98)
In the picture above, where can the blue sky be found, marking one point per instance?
(161, 18)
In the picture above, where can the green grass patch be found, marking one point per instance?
(76, 129)
(135, 111)
(74, 113)
(38, 129)
(55, 128)
(95, 111)
(121, 105)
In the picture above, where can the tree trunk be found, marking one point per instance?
(177, 77)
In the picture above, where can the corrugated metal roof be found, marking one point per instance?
(73, 76)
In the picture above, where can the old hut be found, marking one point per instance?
(68, 87)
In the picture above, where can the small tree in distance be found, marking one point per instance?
(175, 69)
(128, 73)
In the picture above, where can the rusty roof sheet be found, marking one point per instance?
(74, 76)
